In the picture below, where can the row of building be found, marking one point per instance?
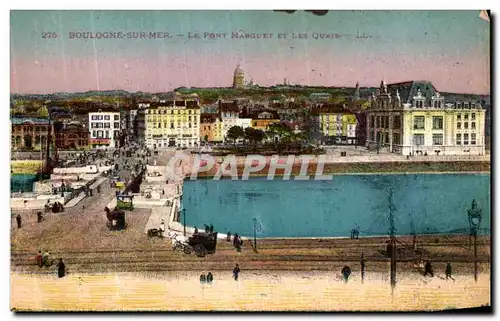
(406, 118)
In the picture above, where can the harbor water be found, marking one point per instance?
(424, 204)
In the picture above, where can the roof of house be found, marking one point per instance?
(29, 120)
(409, 89)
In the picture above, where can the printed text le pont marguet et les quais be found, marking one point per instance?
(83, 35)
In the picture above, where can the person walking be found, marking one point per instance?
(61, 269)
(236, 272)
(45, 258)
(428, 269)
(448, 271)
(210, 278)
(362, 268)
(202, 278)
(19, 220)
(211, 228)
(346, 272)
(39, 259)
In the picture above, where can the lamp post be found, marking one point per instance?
(184, 220)
(392, 233)
(474, 214)
(255, 233)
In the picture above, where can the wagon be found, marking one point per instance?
(203, 243)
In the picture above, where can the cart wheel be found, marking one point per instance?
(200, 250)
(177, 246)
(187, 249)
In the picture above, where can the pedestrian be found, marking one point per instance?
(211, 228)
(428, 268)
(346, 272)
(207, 228)
(39, 217)
(235, 240)
(362, 268)
(195, 230)
(210, 277)
(19, 220)
(228, 236)
(448, 271)
(45, 258)
(236, 272)
(39, 259)
(61, 269)
(415, 243)
(202, 278)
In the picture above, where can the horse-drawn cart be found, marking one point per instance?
(201, 243)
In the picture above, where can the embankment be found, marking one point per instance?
(371, 168)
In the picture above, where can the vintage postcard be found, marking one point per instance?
(277, 160)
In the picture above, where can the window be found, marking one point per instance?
(466, 116)
(372, 121)
(159, 125)
(117, 117)
(459, 139)
(459, 116)
(473, 125)
(459, 125)
(397, 122)
(107, 125)
(117, 125)
(473, 116)
(396, 139)
(418, 122)
(466, 125)
(372, 135)
(419, 104)
(437, 122)
(437, 139)
(94, 117)
(473, 139)
(189, 118)
(107, 134)
(189, 125)
(418, 139)
(106, 117)
(94, 133)
(171, 125)
(466, 139)
(100, 117)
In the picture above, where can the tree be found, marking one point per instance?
(254, 135)
(234, 133)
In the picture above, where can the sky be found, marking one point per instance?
(449, 48)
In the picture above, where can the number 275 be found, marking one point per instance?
(49, 35)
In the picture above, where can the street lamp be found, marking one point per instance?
(255, 234)
(392, 233)
(474, 214)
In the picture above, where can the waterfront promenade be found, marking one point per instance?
(255, 291)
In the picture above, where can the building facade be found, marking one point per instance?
(73, 136)
(104, 128)
(211, 128)
(262, 120)
(173, 123)
(30, 133)
(337, 125)
(413, 118)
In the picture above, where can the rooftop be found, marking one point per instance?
(29, 121)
